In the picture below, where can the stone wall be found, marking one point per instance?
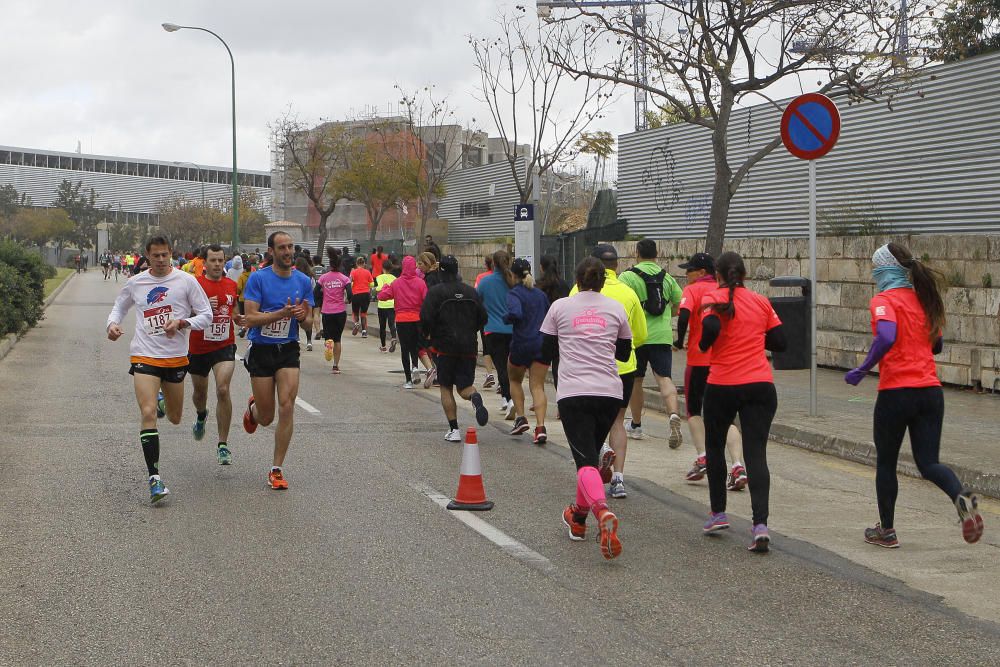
(970, 264)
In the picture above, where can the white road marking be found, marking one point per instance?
(305, 406)
(471, 519)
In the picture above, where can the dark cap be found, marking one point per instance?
(699, 260)
(605, 252)
(448, 264)
(520, 267)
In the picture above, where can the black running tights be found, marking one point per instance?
(921, 410)
(755, 404)
(587, 421)
(409, 346)
(386, 316)
(498, 347)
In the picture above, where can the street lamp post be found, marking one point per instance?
(173, 27)
(195, 165)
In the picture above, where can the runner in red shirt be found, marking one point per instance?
(214, 351)
(700, 270)
(378, 261)
(362, 283)
(737, 326)
(907, 322)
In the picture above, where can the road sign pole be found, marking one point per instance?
(813, 290)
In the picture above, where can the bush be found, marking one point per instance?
(22, 287)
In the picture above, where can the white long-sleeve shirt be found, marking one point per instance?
(175, 296)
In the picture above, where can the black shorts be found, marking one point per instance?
(360, 303)
(174, 375)
(695, 380)
(628, 384)
(456, 371)
(333, 326)
(659, 356)
(202, 364)
(264, 360)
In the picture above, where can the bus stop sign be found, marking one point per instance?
(810, 126)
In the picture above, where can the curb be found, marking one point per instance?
(10, 340)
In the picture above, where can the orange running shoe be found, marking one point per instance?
(577, 526)
(249, 424)
(277, 480)
(611, 547)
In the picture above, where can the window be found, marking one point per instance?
(474, 210)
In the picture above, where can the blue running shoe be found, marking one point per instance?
(225, 456)
(198, 429)
(161, 405)
(761, 539)
(716, 521)
(157, 491)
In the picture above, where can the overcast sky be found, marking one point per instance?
(105, 73)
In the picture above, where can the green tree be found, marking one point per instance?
(38, 226)
(123, 236)
(11, 200)
(189, 224)
(81, 205)
(601, 145)
(969, 28)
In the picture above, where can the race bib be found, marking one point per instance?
(277, 329)
(154, 319)
(218, 330)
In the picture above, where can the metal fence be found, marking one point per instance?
(570, 248)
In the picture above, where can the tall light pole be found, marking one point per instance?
(195, 165)
(173, 27)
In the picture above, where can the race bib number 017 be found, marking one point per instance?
(218, 330)
(277, 329)
(154, 319)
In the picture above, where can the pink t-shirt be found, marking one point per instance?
(587, 324)
(334, 283)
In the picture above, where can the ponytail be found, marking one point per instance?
(528, 281)
(927, 284)
(501, 263)
(733, 271)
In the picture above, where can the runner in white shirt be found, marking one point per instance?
(164, 299)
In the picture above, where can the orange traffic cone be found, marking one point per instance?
(471, 495)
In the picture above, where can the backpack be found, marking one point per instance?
(655, 303)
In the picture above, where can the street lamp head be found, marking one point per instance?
(171, 27)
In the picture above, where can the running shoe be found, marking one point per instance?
(276, 480)
(698, 471)
(225, 456)
(634, 432)
(617, 488)
(364, 333)
(309, 347)
(407, 385)
(716, 521)
(482, 414)
(541, 437)
(882, 537)
(157, 491)
(611, 547)
(454, 435)
(381, 348)
(606, 459)
(415, 372)
(198, 430)
(392, 346)
(520, 426)
(429, 377)
(161, 405)
(356, 328)
(249, 424)
(576, 522)
(490, 381)
(967, 505)
(737, 478)
(509, 411)
(675, 438)
(328, 351)
(761, 543)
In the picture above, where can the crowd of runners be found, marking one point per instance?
(596, 340)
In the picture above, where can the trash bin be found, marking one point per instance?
(794, 313)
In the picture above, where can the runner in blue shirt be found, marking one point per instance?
(277, 298)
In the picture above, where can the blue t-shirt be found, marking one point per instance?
(493, 290)
(272, 292)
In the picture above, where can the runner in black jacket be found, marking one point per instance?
(451, 317)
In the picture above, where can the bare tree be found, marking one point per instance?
(532, 99)
(705, 56)
(312, 158)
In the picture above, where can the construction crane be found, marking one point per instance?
(640, 57)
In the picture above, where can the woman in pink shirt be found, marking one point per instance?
(589, 331)
(334, 309)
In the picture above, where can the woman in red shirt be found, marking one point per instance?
(362, 283)
(737, 326)
(907, 322)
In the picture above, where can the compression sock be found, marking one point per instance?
(453, 424)
(202, 415)
(589, 488)
(150, 440)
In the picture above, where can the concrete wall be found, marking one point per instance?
(970, 263)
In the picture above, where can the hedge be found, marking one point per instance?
(22, 285)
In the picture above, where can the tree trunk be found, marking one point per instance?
(721, 196)
(376, 219)
(321, 241)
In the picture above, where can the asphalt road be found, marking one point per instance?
(357, 564)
